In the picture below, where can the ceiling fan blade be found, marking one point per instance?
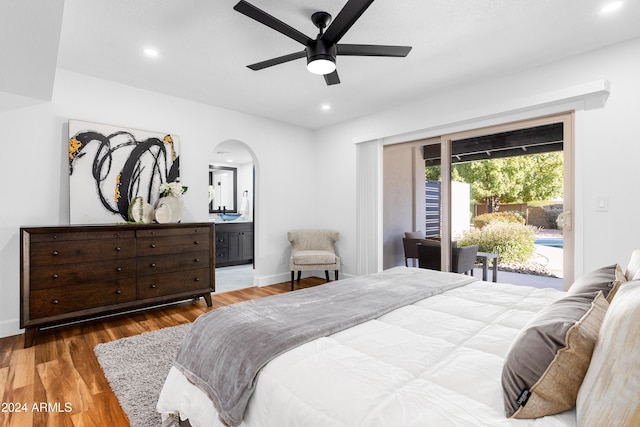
(275, 61)
(345, 19)
(332, 78)
(264, 18)
(373, 50)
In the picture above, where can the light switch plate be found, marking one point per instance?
(602, 203)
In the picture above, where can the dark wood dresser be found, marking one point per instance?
(72, 273)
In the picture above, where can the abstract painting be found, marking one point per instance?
(110, 166)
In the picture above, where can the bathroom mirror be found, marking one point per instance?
(222, 189)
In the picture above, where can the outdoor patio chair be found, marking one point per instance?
(462, 258)
(410, 246)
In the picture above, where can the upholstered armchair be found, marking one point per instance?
(313, 250)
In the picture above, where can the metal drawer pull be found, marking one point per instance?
(196, 242)
(153, 246)
(153, 264)
(197, 279)
(119, 269)
(55, 276)
(118, 248)
(118, 292)
(55, 301)
(54, 253)
(153, 286)
(197, 260)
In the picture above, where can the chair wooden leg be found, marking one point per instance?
(299, 274)
(292, 275)
(336, 274)
(326, 274)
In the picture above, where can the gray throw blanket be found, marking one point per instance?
(225, 349)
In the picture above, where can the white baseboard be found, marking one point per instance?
(261, 281)
(10, 327)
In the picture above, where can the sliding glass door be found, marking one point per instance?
(487, 170)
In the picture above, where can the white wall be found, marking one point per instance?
(607, 145)
(35, 168)
(245, 182)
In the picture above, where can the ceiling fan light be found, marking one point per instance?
(321, 66)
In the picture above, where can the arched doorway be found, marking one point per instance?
(232, 187)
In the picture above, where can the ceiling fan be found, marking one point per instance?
(321, 52)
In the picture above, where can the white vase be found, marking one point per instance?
(140, 211)
(175, 205)
(163, 214)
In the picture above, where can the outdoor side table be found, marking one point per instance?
(484, 257)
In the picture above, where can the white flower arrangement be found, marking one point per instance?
(212, 193)
(174, 189)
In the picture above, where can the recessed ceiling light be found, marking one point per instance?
(151, 52)
(610, 7)
(229, 160)
(325, 107)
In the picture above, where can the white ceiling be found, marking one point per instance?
(205, 45)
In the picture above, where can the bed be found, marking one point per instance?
(439, 360)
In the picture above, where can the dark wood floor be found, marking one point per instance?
(62, 372)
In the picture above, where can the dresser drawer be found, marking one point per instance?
(77, 251)
(175, 231)
(147, 246)
(173, 283)
(174, 262)
(65, 236)
(52, 276)
(68, 299)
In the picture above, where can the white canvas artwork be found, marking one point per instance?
(110, 166)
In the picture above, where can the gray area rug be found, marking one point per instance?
(136, 368)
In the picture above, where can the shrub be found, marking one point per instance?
(512, 217)
(513, 242)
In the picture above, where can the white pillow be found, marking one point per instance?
(610, 392)
(633, 268)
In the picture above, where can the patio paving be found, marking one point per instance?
(546, 255)
(524, 279)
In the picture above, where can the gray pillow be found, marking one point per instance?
(549, 358)
(604, 279)
(414, 234)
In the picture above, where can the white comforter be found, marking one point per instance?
(437, 362)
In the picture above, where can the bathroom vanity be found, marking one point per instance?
(234, 243)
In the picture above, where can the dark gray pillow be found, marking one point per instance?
(603, 279)
(549, 358)
(414, 234)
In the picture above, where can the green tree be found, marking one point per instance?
(519, 178)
